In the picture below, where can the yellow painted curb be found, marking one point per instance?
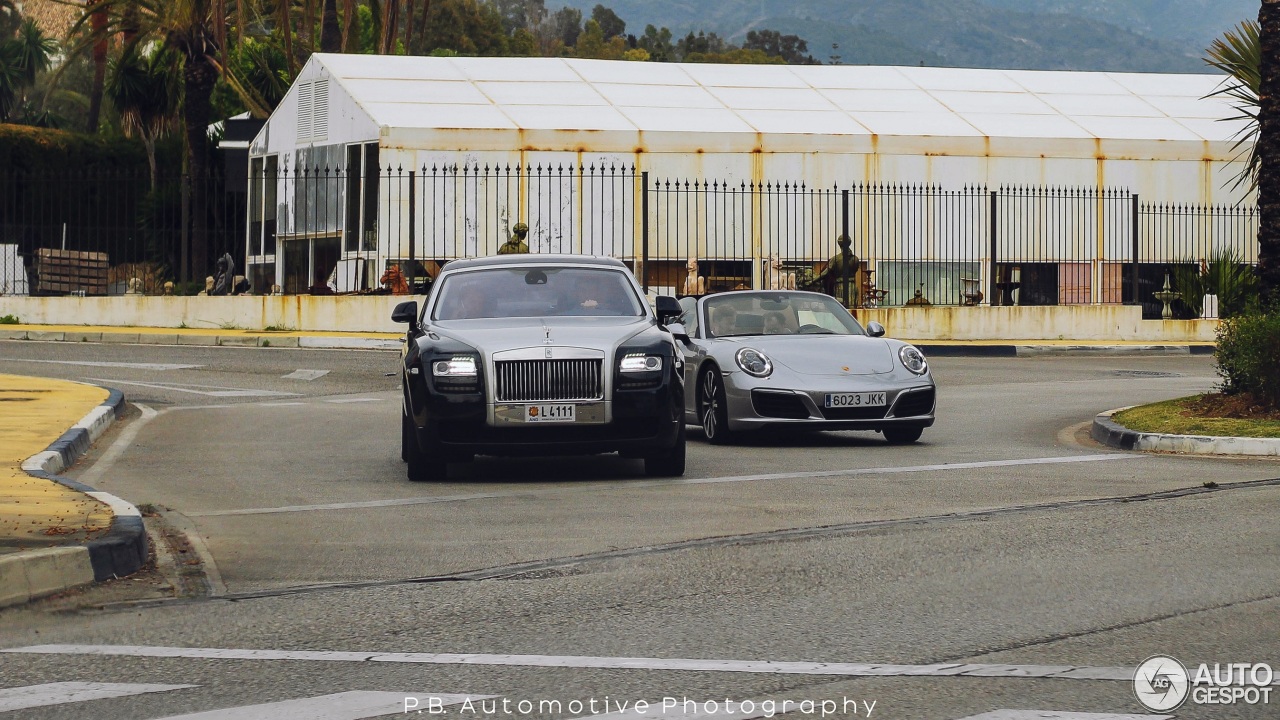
(34, 413)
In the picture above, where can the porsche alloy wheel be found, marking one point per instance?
(713, 409)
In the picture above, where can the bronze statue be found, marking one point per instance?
(840, 279)
(516, 244)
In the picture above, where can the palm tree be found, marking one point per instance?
(22, 57)
(1238, 53)
(144, 90)
(190, 29)
(1268, 149)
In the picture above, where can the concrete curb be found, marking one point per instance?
(33, 574)
(1109, 432)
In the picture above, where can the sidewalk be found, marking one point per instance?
(392, 341)
(56, 533)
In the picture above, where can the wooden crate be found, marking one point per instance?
(68, 271)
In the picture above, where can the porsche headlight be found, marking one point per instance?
(639, 362)
(462, 367)
(913, 359)
(754, 363)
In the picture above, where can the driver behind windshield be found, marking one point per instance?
(600, 293)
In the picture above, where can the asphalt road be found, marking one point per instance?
(1005, 541)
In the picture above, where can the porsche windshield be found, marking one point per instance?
(778, 314)
(537, 292)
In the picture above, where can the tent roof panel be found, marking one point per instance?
(1109, 105)
(884, 100)
(670, 96)
(993, 102)
(382, 90)
(451, 117)
(907, 123)
(537, 93)
(741, 98)
(802, 122)
(506, 93)
(1026, 126)
(541, 117)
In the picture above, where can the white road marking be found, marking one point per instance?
(103, 364)
(209, 390)
(633, 485)
(122, 443)
(614, 663)
(352, 400)
(61, 693)
(307, 375)
(1054, 715)
(354, 705)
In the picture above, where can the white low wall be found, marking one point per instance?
(346, 313)
(1054, 322)
(372, 313)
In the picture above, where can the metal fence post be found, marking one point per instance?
(992, 278)
(1133, 270)
(644, 231)
(844, 252)
(413, 205)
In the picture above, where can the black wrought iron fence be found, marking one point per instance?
(356, 226)
(93, 232)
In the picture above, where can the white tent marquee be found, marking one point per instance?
(1156, 135)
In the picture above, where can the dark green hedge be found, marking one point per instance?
(1248, 356)
(29, 149)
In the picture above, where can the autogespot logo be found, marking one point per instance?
(1161, 683)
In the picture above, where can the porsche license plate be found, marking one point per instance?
(845, 400)
(550, 413)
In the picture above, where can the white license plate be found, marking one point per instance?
(550, 413)
(845, 400)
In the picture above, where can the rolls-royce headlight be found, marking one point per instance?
(754, 363)
(639, 362)
(913, 359)
(458, 366)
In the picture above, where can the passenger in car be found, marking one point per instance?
(775, 323)
(723, 320)
(600, 293)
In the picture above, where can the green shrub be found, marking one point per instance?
(10, 320)
(1227, 275)
(1248, 348)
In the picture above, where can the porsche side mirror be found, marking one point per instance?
(678, 332)
(875, 329)
(406, 312)
(666, 307)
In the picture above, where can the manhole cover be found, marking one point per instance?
(1147, 373)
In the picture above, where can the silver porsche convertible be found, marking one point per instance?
(766, 359)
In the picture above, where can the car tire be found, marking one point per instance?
(405, 435)
(670, 463)
(903, 435)
(420, 467)
(713, 409)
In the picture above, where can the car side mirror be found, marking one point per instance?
(678, 332)
(406, 312)
(875, 329)
(666, 307)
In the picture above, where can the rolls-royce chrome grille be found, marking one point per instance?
(543, 380)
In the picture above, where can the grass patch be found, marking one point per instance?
(279, 328)
(10, 320)
(1185, 416)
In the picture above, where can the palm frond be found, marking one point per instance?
(1238, 53)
